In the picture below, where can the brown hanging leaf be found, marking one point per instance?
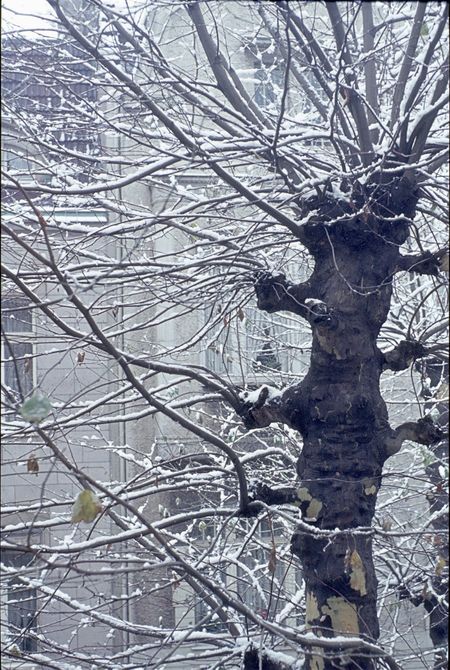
(42, 221)
(81, 356)
(386, 524)
(27, 365)
(32, 464)
(272, 560)
(241, 314)
(225, 321)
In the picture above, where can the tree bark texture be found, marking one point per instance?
(338, 408)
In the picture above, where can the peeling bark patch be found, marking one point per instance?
(303, 494)
(317, 662)
(343, 615)
(313, 510)
(370, 488)
(314, 507)
(355, 566)
(312, 608)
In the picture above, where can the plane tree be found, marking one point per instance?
(293, 139)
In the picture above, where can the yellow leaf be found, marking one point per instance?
(440, 566)
(86, 507)
(36, 408)
(32, 464)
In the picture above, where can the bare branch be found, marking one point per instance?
(405, 353)
(407, 63)
(354, 102)
(424, 431)
(427, 263)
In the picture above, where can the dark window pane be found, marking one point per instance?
(18, 367)
(16, 315)
(22, 616)
(22, 605)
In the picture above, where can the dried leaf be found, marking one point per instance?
(36, 408)
(81, 356)
(241, 314)
(445, 262)
(386, 524)
(42, 221)
(86, 507)
(27, 365)
(442, 393)
(14, 650)
(32, 464)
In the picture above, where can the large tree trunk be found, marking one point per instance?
(339, 410)
(338, 407)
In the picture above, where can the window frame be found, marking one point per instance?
(15, 634)
(8, 358)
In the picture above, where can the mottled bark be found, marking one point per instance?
(338, 408)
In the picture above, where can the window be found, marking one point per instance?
(265, 580)
(205, 617)
(258, 589)
(269, 77)
(21, 605)
(14, 160)
(268, 72)
(266, 342)
(17, 349)
(219, 354)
